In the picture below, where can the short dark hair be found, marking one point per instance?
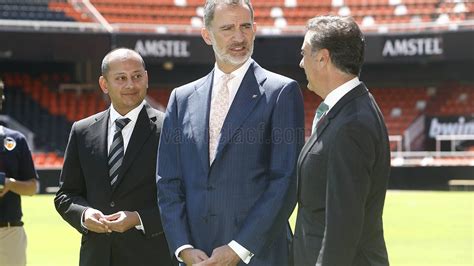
(105, 62)
(210, 8)
(343, 39)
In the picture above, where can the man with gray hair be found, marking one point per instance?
(227, 156)
(343, 169)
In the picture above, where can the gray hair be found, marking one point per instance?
(106, 61)
(343, 39)
(210, 8)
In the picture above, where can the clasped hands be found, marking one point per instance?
(96, 221)
(221, 256)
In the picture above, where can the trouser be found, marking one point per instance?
(12, 246)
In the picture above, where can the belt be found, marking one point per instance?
(10, 224)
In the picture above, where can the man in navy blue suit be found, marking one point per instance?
(228, 151)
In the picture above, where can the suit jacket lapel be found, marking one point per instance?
(200, 118)
(247, 97)
(97, 136)
(143, 128)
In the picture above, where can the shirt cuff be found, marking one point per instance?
(183, 247)
(242, 252)
(140, 226)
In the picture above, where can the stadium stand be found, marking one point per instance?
(38, 104)
(38, 10)
(281, 13)
(453, 100)
(400, 106)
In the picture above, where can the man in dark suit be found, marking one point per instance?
(108, 183)
(228, 151)
(343, 169)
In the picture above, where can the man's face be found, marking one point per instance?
(231, 35)
(126, 82)
(309, 63)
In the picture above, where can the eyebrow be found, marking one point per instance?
(231, 25)
(133, 72)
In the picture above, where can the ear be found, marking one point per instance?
(206, 36)
(103, 84)
(146, 78)
(324, 57)
(254, 27)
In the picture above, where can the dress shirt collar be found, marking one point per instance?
(335, 95)
(234, 83)
(132, 115)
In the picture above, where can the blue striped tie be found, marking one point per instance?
(116, 150)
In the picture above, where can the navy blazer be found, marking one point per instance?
(249, 191)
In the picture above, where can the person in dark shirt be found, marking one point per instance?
(17, 177)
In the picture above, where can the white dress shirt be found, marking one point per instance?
(233, 86)
(334, 96)
(126, 134)
(127, 130)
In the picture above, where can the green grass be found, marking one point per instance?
(421, 228)
(51, 241)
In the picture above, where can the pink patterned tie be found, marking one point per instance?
(220, 105)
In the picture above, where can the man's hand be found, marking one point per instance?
(93, 221)
(221, 256)
(191, 256)
(121, 221)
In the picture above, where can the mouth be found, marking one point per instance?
(238, 49)
(129, 94)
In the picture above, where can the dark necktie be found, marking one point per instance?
(320, 112)
(116, 150)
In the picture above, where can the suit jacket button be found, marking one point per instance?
(112, 204)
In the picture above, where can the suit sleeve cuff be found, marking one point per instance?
(84, 227)
(242, 252)
(183, 247)
(140, 226)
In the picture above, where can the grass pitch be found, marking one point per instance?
(421, 228)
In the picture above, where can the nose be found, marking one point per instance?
(239, 36)
(129, 84)
(301, 63)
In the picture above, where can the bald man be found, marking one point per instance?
(108, 186)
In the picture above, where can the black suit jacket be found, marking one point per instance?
(342, 181)
(85, 183)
